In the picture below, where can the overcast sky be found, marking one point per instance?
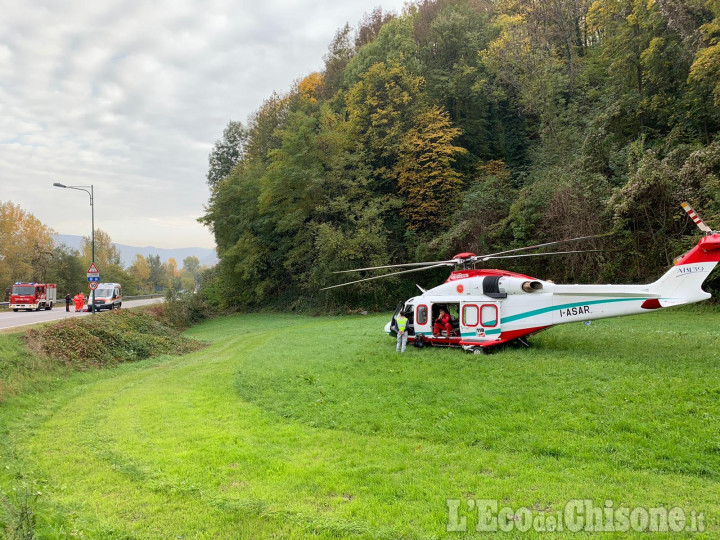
(131, 95)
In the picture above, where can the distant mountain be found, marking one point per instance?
(127, 253)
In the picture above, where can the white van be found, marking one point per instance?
(107, 296)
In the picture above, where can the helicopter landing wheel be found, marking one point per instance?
(480, 350)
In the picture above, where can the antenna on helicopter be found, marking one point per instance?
(464, 260)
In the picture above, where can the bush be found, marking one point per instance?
(99, 341)
(182, 309)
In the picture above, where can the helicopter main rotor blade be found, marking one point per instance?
(431, 263)
(481, 257)
(539, 254)
(384, 276)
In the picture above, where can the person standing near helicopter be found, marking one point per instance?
(402, 335)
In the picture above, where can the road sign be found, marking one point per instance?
(93, 285)
(93, 273)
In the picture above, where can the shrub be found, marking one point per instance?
(183, 309)
(122, 336)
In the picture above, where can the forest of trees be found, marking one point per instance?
(475, 125)
(28, 252)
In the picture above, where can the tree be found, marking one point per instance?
(426, 178)
(187, 281)
(192, 264)
(67, 271)
(26, 246)
(140, 271)
(449, 36)
(227, 152)
(339, 53)
(370, 26)
(106, 252)
(116, 274)
(191, 273)
(381, 109)
(157, 274)
(262, 133)
(704, 76)
(172, 276)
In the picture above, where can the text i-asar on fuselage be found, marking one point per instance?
(489, 307)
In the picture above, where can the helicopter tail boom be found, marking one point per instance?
(682, 284)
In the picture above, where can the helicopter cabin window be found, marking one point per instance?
(454, 311)
(470, 315)
(422, 314)
(489, 315)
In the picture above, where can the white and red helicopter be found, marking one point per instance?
(491, 307)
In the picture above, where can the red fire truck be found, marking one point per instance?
(33, 296)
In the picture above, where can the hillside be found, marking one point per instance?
(469, 125)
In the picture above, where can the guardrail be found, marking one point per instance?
(138, 297)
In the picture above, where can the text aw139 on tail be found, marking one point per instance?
(489, 307)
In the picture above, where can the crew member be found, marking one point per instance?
(82, 301)
(402, 334)
(442, 323)
(78, 305)
(67, 301)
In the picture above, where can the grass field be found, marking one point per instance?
(291, 427)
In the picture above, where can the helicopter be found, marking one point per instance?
(490, 307)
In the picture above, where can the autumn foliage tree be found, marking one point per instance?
(26, 246)
(426, 179)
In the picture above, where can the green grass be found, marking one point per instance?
(289, 427)
(21, 371)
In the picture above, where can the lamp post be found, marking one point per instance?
(92, 214)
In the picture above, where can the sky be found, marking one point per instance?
(131, 95)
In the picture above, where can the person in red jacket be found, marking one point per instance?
(77, 302)
(442, 323)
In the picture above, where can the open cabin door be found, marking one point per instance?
(480, 321)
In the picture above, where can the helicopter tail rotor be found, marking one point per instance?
(698, 221)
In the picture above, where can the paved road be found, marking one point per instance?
(24, 318)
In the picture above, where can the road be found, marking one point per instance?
(25, 318)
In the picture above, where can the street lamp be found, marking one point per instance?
(92, 213)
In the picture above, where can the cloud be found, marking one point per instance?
(130, 96)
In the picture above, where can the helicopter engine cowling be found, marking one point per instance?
(512, 285)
